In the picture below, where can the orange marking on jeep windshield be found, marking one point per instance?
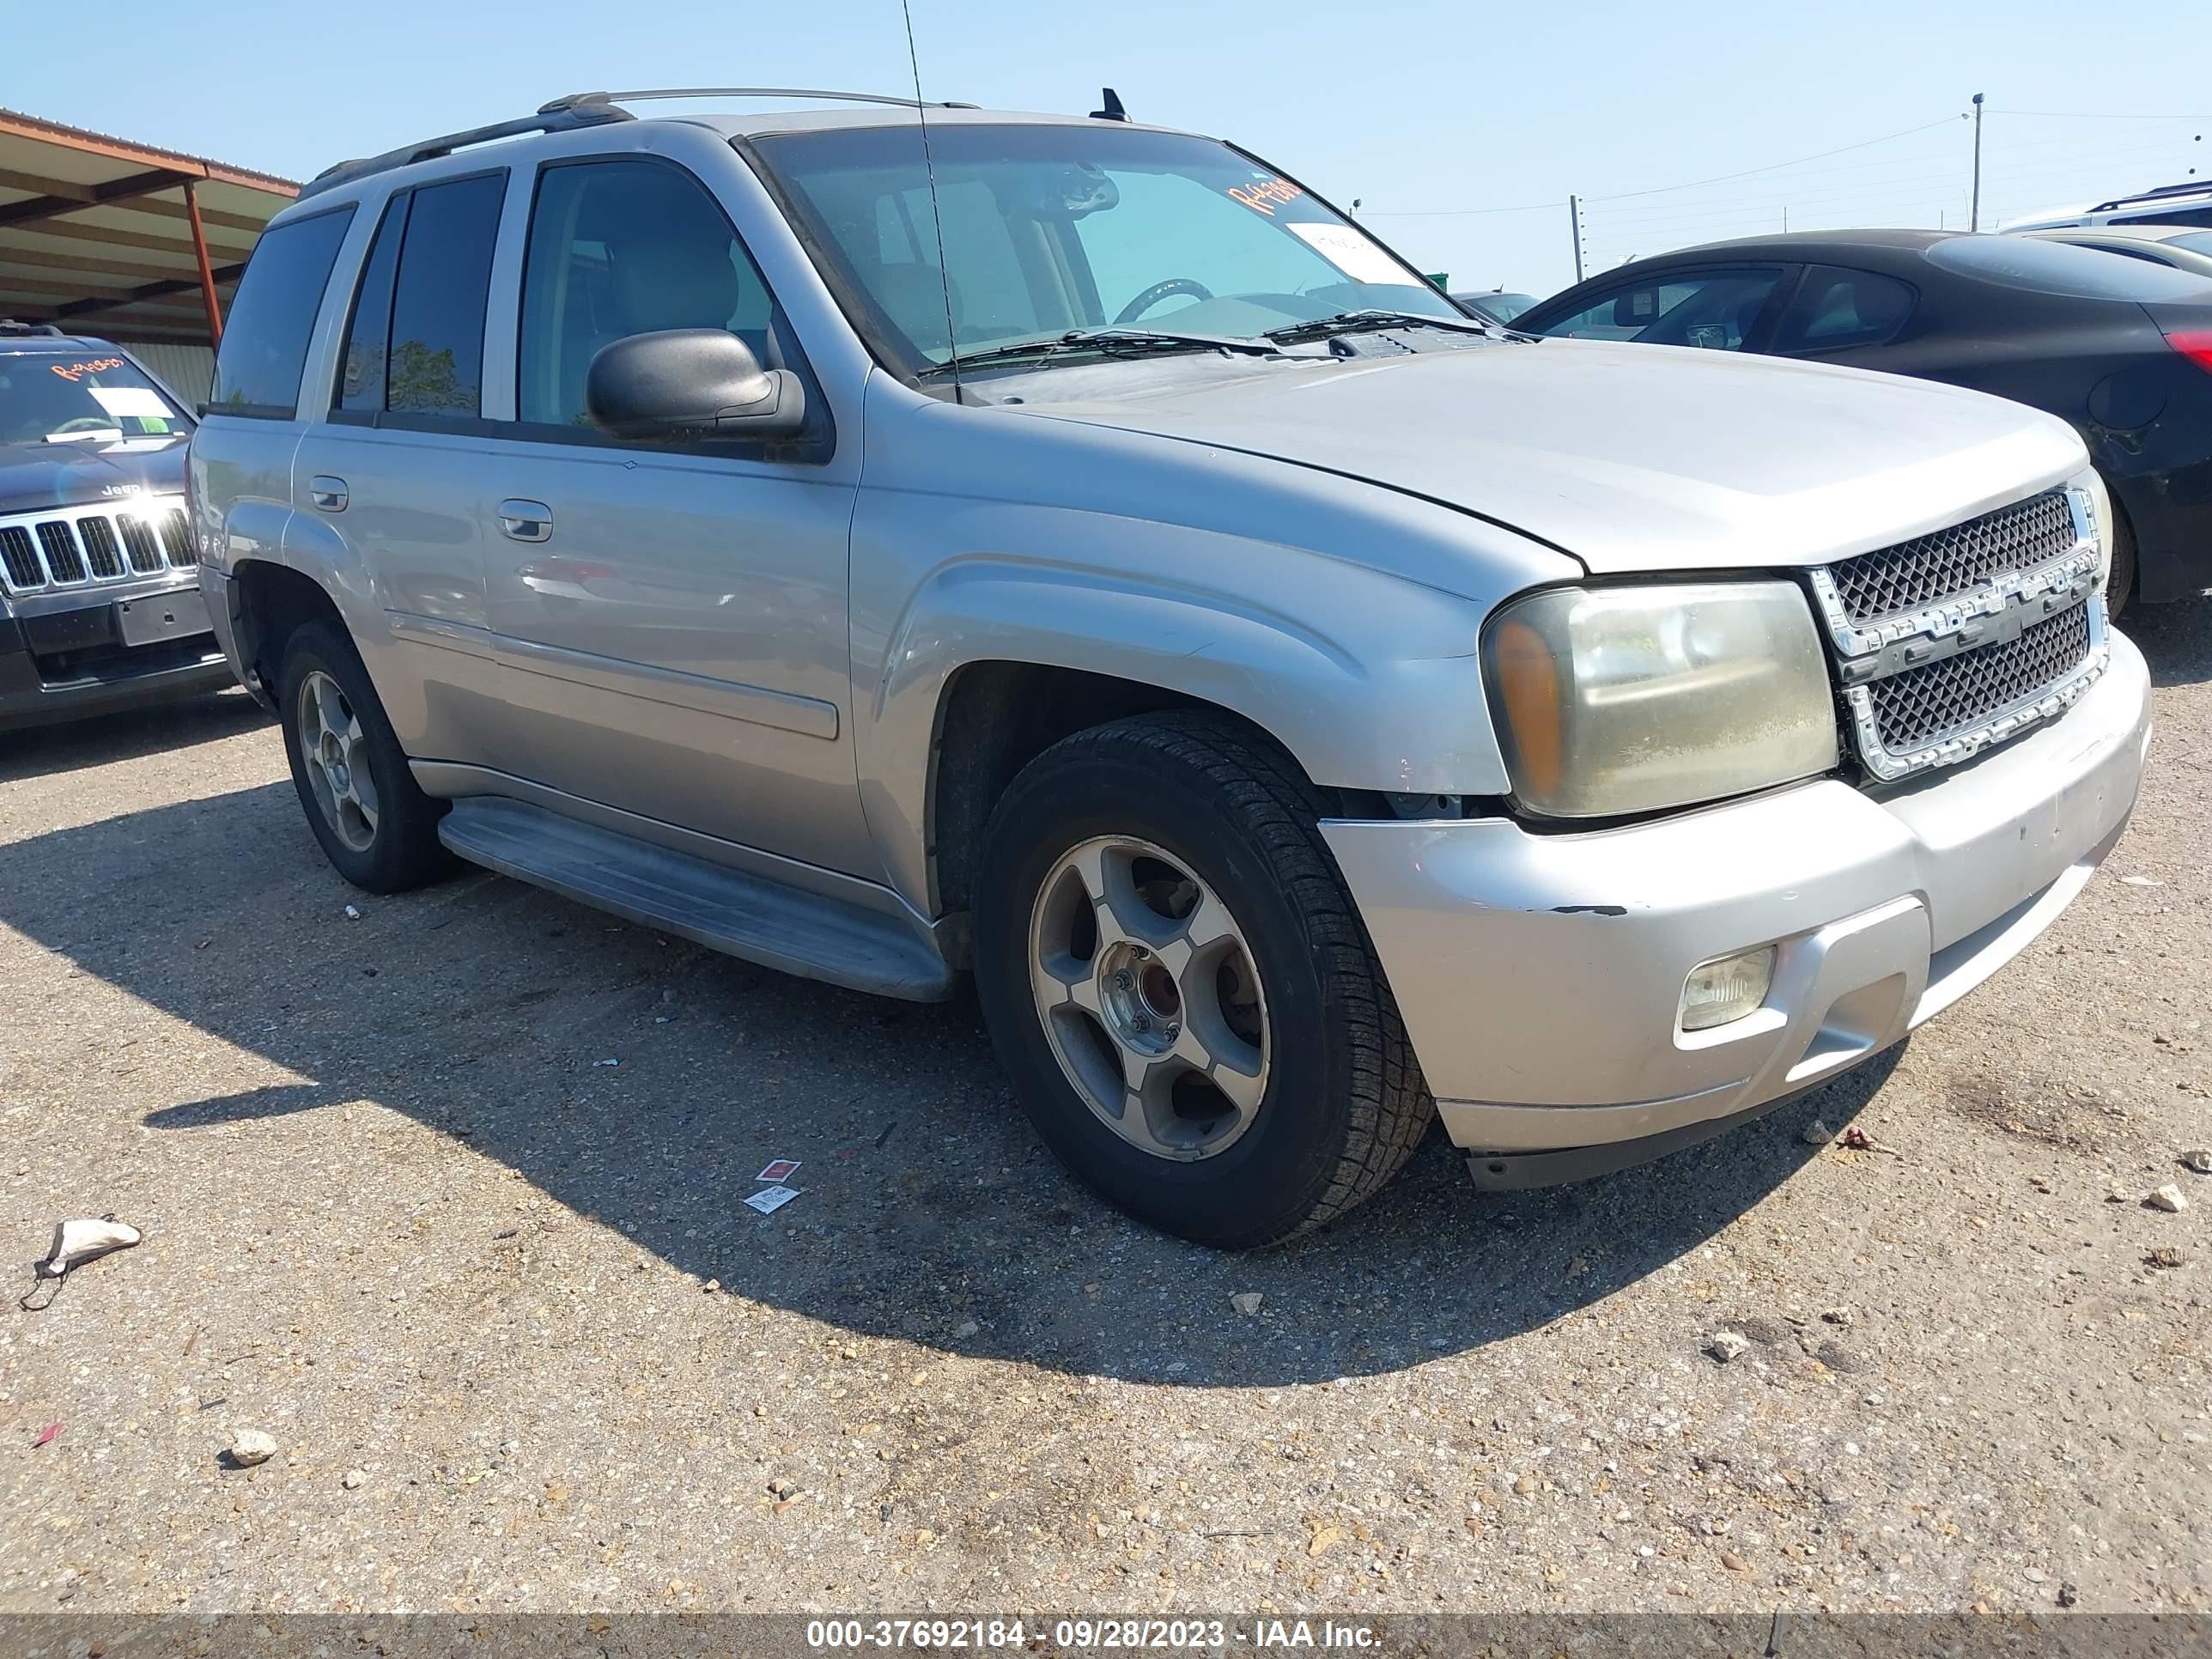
(75, 372)
(1262, 197)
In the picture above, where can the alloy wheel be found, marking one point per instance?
(336, 753)
(1149, 997)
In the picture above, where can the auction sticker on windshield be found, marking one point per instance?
(121, 400)
(1353, 254)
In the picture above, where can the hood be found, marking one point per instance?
(33, 476)
(1627, 457)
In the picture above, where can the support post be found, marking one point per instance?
(1974, 214)
(1575, 220)
(207, 267)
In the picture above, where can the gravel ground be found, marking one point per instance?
(519, 1345)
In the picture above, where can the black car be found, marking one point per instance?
(100, 598)
(2119, 347)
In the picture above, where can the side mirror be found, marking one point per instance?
(691, 383)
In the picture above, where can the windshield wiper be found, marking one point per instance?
(1352, 322)
(1108, 342)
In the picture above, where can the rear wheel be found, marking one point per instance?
(376, 826)
(1177, 982)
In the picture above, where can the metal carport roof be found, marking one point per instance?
(105, 236)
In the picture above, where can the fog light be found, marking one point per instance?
(1726, 988)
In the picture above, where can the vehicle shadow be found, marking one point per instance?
(70, 745)
(2176, 640)
(929, 1211)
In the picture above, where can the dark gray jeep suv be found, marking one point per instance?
(100, 603)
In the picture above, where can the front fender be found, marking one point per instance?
(1370, 681)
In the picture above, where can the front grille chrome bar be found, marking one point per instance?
(90, 547)
(2022, 641)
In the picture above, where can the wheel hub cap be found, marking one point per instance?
(1149, 997)
(1138, 999)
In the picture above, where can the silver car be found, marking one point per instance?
(891, 542)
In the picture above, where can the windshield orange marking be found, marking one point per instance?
(75, 372)
(1261, 199)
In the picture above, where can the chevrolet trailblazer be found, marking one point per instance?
(890, 542)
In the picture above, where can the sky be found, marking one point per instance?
(1462, 131)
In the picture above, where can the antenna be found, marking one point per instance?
(936, 217)
(1110, 107)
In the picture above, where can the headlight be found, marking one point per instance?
(1629, 699)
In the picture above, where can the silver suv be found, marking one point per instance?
(897, 542)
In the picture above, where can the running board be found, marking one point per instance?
(724, 910)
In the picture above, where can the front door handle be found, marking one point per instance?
(327, 493)
(526, 521)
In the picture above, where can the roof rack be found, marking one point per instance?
(582, 101)
(9, 325)
(562, 116)
(2189, 187)
(578, 109)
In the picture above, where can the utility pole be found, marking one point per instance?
(1974, 214)
(1575, 219)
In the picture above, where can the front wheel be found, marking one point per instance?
(2120, 586)
(1178, 984)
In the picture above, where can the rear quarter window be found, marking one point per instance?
(264, 338)
(2037, 266)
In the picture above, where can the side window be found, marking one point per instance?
(2127, 252)
(2187, 215)
(435, 365)
(264, 343)
(1714, 309)
(1836, 309)
(618, 248)
(369, 330)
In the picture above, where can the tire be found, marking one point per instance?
(2120, 586)
(1313, 1100)
(382, 837)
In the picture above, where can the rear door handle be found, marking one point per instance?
(526, 521)
(327, 493)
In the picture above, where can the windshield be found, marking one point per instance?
(98, 398)
(2196, 241)
(1053, 229)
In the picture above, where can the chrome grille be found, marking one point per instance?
(145, 550)
(1925, 705)
(1951, 562)
(19, 558)
(1955, 640)
(100, 546)
(72, 547)
(58, 541)
(177, 538)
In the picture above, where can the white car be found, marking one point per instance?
(2180, 247)
(2186, 204)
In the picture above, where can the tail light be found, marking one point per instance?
(2194, 343)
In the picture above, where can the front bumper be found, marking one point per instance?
(63, 657)
(1540, 976)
